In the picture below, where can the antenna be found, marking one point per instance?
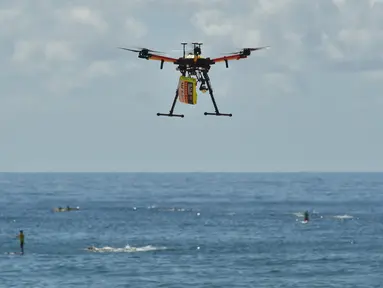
(197, 43)
(184, 44)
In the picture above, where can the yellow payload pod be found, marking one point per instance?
(187, 92)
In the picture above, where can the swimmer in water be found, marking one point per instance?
(91, 248)
(21, 237)
(306, 216)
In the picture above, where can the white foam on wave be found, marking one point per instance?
(345, 216)
(126, 249)
(171, 209)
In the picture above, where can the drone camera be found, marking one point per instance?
(203, 88)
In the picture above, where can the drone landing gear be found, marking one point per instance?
(210, 89)
(171, 114)
(217, 113)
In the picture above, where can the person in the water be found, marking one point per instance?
(21, 237)
(306, 216)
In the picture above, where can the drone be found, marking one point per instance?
(194, 69)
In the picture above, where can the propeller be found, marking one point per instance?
(248, 49)
(135, 50)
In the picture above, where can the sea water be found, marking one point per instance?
(192, 230)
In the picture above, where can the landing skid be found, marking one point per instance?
(171, 115)
(218, 114)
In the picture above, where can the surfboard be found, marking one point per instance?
(13, 253)
(66, 209)
(304, 222)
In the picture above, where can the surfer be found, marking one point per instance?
(21, 237)
(306, 216)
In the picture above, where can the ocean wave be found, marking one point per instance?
(126, 249)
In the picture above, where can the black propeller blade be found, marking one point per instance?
(133, 50)
(258, 48)
(248, 49)
(150, 50)
(141, 49)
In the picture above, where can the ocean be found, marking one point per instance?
(192, 230)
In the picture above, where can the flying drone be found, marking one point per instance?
(194, 69)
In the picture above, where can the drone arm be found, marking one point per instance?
(162, 59)
(226, 59)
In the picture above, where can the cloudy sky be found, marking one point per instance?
(71, 101)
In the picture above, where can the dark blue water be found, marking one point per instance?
(192, 230)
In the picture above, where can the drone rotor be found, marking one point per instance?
(141, 50)
(246, 50)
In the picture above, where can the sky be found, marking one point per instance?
(70, 101)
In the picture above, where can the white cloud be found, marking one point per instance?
(339, 3)
(40, 57)
(297, 35)
(331, 49)
(135, 28)
(25, 50)
(273, 7)
(8, 15)
(85, 15)
(374, 75)
(99, 69)
(213, 23)
(59, 50)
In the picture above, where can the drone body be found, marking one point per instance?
(194, 69)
